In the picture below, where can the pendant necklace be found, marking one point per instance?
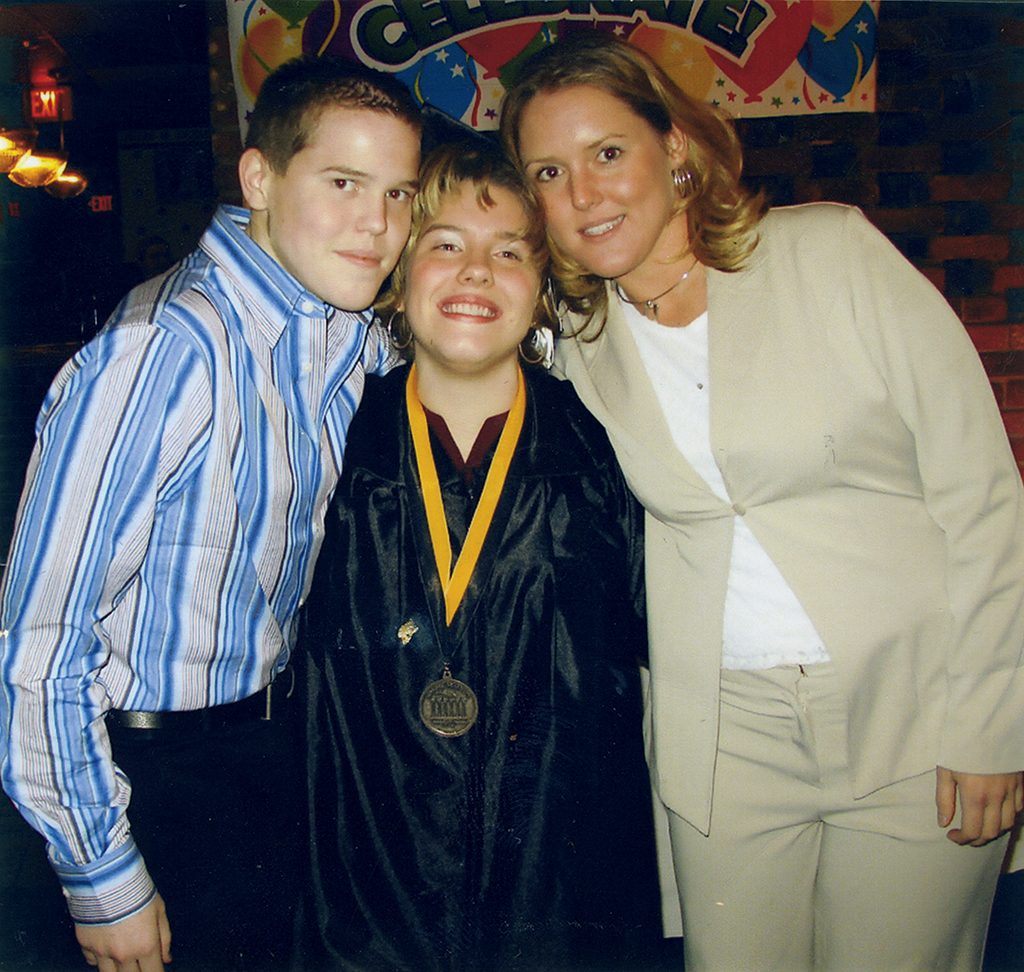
(652, 303)
(449, 706)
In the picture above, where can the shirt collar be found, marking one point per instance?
(273, 296)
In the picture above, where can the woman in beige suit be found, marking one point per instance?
(835, 539)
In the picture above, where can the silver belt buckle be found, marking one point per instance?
(136, 719)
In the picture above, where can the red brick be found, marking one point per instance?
(999, 392)
(991, 247)
(1004, 364)
(981, 247)
(917, 219)
(936, 275)
(990, 187)
(1014, 422)
(990, 337)
(1007, 276)
(1016, 337)
(859, 190)
(1014, 397)
(981, 310)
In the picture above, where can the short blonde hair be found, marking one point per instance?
(722, 215)
(445, 169)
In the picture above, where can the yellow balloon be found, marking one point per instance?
(831, 16)
(680, 55)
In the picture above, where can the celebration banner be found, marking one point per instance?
(752, 58)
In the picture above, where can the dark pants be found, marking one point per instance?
(1005, 949)
(218, 816)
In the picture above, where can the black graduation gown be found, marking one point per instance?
(526, 843)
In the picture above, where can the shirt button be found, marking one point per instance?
(307, 368)
(739, 509)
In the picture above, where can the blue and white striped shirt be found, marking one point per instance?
(167, 533)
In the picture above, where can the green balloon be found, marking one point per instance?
(293, 11)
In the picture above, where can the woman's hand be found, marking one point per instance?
(989, 803)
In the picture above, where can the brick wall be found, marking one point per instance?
(939, 167)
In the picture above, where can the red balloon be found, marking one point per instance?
(494, 48)
(775, 49)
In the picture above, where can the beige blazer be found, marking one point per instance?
(858, 436)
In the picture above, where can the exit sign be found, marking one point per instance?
(50, 104)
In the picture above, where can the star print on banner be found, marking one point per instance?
(752, 57)
(445, 79)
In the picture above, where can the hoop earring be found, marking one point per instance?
(398, 344)
(684, 181)
(538, 347)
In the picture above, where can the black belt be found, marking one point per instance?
(264, 706)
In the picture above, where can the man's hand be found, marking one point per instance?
(140, 943)
(989, 803)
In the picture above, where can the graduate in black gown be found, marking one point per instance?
(479, 798)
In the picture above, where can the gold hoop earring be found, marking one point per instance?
(399, 344)
(684, 181)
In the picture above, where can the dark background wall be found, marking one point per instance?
(939, 167)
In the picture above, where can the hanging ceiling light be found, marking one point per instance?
(14, 143)
(67, 185)
(35, 169)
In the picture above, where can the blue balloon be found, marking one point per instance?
(445, 79)
(838, 61)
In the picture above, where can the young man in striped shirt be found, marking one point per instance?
(171, 516)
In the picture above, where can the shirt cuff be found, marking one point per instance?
(108, 889)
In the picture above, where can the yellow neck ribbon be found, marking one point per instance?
(454, 582)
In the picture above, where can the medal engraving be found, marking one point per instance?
(448, 706)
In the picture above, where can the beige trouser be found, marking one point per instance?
(796, 874)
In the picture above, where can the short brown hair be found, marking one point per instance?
(293, 97)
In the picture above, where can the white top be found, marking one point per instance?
(765, 625)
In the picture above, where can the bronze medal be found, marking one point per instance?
(448, 707)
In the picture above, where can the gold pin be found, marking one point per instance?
(406, 631)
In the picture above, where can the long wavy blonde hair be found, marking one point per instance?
(722, 214)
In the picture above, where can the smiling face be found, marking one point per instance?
(472, 285)
(605, 178)
(338, 216)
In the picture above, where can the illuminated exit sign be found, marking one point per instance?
(50, 104)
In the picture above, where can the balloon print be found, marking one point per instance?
(459, 57)
(680, 55)
(774, 49)
(838, 61)
(445, 79)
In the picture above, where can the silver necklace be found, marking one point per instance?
(652, 303)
